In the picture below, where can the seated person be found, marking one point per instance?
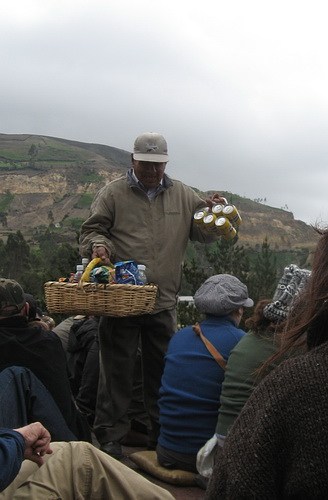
(256, 347)
(24, 399)
(63, 329)
(83, 364)
(192, 378)
(244, 368)
(277, 447)
(34, 311)
(48, 471)
(35, 314)
(22, 344)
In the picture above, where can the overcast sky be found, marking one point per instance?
(239, 88)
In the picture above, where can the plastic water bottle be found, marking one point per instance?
(79, 272)
(85, 262)
(142, 277)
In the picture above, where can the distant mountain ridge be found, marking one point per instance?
(52, 181)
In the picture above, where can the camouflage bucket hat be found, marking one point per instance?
(12, 297)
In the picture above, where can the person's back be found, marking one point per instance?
(41, 351)
(193, 375)
(278, 447)
(191, 384)
(241, 375)
(259, 344)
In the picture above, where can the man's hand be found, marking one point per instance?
(37, 442)
(215, 199)
(102, 253)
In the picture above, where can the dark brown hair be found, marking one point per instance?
(265, 328)
(258, 323)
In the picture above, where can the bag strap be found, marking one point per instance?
(210, 347)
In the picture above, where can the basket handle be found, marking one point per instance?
(92, 264)
(86, 274)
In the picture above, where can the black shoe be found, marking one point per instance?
(113, 448)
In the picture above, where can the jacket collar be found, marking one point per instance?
(133, 183)
(212, 320)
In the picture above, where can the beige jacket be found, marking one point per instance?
(151, 232)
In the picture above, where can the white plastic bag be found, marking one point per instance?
(205, 457)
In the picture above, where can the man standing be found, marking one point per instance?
(148, 217)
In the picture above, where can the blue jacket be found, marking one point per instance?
(11, 456)
(191, 384)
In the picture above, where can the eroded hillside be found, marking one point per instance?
(48, 181)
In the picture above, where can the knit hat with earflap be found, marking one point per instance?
(290, 284)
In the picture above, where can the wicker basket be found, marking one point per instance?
(94, 299)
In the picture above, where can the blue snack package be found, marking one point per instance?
(126, 272)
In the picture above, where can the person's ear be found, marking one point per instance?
(26, 309)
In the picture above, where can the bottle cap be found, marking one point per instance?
(141, 267)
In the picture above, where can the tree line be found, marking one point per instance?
(47, 259)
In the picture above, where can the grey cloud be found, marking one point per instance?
(241, 110)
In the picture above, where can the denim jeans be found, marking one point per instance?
(24, 399)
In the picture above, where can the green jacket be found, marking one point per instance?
(240, 377)
(151, 232)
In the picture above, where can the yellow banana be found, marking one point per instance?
(92, 264)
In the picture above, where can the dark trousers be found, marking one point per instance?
(83, 368)
(136, 412)
(87, 394)
(119, 341)
(24, 399)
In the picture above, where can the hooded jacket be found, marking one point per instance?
(41, 351)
